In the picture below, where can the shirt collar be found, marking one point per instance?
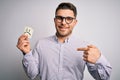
(66, 41)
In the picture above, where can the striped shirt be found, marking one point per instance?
(52, 60)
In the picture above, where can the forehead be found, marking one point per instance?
(65, 12)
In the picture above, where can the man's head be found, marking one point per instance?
(69, 6)
(65, 19)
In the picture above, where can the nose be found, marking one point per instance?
(63, 21)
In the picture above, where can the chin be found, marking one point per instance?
(63, 34)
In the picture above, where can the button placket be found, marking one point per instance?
(60, 70)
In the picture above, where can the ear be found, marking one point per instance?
(75, 22)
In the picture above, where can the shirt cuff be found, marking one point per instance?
(27, 58)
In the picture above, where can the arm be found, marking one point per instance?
(30, 64)
(30, 59)
(101, 70)
(97, 65)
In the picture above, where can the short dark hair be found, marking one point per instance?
(67, 5)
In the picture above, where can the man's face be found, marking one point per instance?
(64, 22)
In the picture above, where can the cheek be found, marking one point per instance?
(71, 26)
(55, 24)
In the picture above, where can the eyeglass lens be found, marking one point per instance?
(68, 19)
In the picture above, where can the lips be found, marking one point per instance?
(63, 28)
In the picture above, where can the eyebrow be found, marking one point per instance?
(65, 17)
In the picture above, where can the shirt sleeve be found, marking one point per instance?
(101, 70)
(30, 64)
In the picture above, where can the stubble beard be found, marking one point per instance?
(62, 34)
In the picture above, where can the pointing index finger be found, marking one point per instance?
(82, 49)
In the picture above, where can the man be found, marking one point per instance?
(63, 56)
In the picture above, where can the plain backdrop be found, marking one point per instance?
(98, 23)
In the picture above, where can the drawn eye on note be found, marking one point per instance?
(28, 31)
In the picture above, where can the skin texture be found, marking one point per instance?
(63, 31)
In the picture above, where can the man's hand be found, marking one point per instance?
(91, 53)
(23, 44)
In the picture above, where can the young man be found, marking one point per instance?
(63, 56)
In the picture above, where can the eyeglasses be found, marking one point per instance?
(68, 19)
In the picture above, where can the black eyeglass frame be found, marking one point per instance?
(61, 18)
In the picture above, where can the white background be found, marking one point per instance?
(98, 22)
